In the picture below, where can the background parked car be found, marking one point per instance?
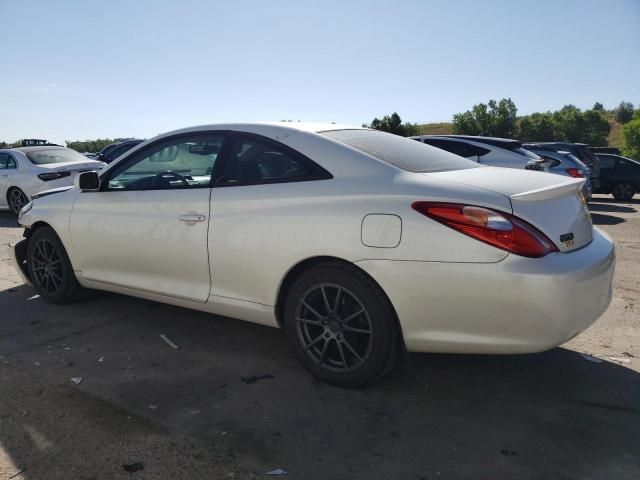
(25, 171)
(112, 151)
(498, 152)
(619, 176)
(580, 150)
(566, 163)
(613, 150)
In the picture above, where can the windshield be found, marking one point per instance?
(401, 152)
(55, 155)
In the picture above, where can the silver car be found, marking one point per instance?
(567, 164)
(496, 152)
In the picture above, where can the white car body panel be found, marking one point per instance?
(451, 292)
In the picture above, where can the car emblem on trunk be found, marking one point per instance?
(567, 239)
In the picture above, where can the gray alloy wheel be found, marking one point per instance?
(16, 199)
(334, 328)
(623, 191)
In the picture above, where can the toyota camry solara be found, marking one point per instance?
(357, 243)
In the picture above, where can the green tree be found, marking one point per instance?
(624, 112)
(598, 107)
(393, 124)
(631, 137)
(537, 127)
(88, 145)
(496, 119)
(573, 125)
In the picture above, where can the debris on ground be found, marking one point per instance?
(619, 359)
(133, 467)
(101, 359)
(153, 407)
(168, 341)
(37, 364)
(76, 380)
(506, 452)
(627, 354)
(277, 471)
(194, 412)
(256, 378)
(591, 358)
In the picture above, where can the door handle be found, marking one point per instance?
(192, 219)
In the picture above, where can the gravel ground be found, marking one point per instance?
(194, 413)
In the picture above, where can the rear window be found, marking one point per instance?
(525, 152)
(401, 152)
(55, 155)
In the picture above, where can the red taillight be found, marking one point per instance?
(575, 172)
(502, 230)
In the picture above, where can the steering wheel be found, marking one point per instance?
(166, 176)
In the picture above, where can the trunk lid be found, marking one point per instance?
(554, 204)
(72, 166)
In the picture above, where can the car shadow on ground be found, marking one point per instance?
(237, 392)
(601, 219)
(608, 207)
(600, 199)
(8, 219)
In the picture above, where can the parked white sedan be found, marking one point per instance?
(358, 243)
(26, 171)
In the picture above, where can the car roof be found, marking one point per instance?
(494, 141)
(558, 143)
(310, 127)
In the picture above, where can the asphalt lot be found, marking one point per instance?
(188, 413)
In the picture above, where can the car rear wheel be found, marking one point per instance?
(16, 199)
(623, 191)
(341, 325)
(49, 267)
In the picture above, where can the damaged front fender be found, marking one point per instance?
(18, 253)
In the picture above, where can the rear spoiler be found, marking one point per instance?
(553, 191)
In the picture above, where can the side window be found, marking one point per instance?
(3, 161)
(185, 162)
(606, 162)
(254, 161)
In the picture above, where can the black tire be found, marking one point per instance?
(16, 199)
(49, 267)
(329, 341)
(623, 191)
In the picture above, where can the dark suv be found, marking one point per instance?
(112, 151)
(580, 150)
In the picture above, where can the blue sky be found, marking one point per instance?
(77, 69)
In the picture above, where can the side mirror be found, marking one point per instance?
(87, 181)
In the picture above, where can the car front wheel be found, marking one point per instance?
(341, 325)
(49, 267)
(623, 191)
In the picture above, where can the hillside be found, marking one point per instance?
(444, 128)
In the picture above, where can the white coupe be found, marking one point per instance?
(358, 243)
(25, 171)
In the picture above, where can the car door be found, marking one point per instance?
(4, 178)
(607, 172)
(8, 167)
(255, 211)
(146, 228)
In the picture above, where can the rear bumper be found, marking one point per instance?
(518, 305)
(18, 254)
